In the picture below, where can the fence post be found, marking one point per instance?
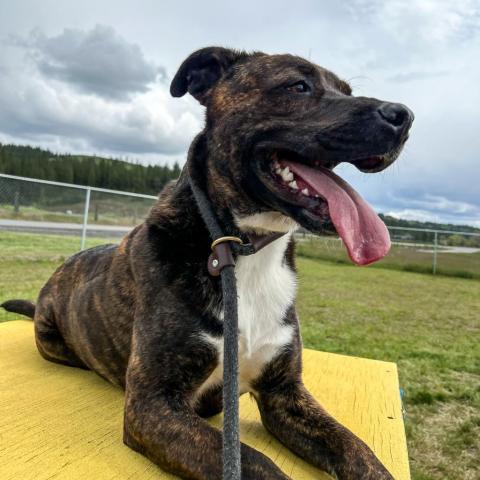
(16, 202)
(85, 219)
(435, 244)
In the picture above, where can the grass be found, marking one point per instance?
(27, 260)
(107, 212)
(401, 257)
(37, 214)
(27, 247)
(428, 325)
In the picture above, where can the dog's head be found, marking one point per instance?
(276, 126)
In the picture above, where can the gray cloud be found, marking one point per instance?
(149, 123)
(404, 77)
(98, 61)
(68, 96)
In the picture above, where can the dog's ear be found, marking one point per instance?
(201, 71)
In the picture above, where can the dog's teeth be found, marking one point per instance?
(278, 171)
(287, 175)
(293, 185)
(305, 191)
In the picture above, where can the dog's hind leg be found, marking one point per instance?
(51, 344)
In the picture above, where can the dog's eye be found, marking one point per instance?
(299, 87)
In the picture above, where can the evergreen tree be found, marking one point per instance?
(110, 173)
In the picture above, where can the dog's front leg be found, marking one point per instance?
(291, 414)
(175, 438)
(160, 421)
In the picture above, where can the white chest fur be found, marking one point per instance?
(266, 289)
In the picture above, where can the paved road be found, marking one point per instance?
(63, 228)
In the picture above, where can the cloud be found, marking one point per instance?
(418, 36)
(434, 203)
(415, 75)
(150, 123)
(68, 98)
(98, 61)
(414, 214)
(439, 203)
(421, 21)
(428, 216)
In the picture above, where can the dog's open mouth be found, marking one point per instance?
(324, 196)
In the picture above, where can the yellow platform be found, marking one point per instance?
(63, 423)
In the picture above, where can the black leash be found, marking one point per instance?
(221, 262)
(231, 434)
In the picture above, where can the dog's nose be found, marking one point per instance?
(397, 115)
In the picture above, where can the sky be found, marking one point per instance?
(92, 77)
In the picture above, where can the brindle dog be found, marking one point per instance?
(147, 316)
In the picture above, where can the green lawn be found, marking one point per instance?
(401, 257)
(27, 247)
(104, 209)
(429, 326)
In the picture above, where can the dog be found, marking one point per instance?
(146, 315)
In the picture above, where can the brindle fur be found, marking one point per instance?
(135, 313)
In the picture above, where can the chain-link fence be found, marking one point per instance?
(446, 252)
(42, 220)
(42, 223)
(70, 217)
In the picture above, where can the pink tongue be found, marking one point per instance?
(361, 229)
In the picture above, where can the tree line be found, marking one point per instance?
(400, 222)
(94, 171)
(427, 237)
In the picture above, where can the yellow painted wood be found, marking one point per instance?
(63, 423)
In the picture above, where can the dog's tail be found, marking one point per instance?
(23, 307)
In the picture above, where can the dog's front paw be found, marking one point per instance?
(368, 471)
(360, 462)
(257, 466)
